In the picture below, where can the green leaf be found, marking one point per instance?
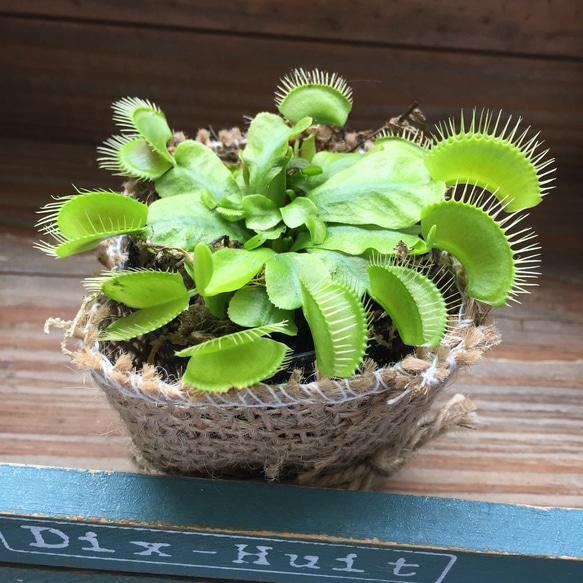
(413, 302)
(262, 236)
(202, 267)
(317, 229)
(66, 248)
(99, 213)
(198, 167)
(356, 240)
(153, 126)
(296, 212)
(349, 269)
(260, 212)
(147, 118)
(184, 220)
(255, 241)
(144, 321)
(339, 327)
(480, 245)
(311, 170)
(334, 162)
(273, 233)
(233, 268)
(81, 222)
(266, 154)
(331, 163)
(231, 215)
(282, 274)
(325, 98)
(407, 139)
(238, 366)
(241, 337)
(159, 297)
(388, 188)
(277, 187)
(297, 162)
(508, 166)
(130, 156)
(251, 307)
(308, 150)
(143, 289)
(208, 199)
(235, 360)
(302, 241)
(217, 305)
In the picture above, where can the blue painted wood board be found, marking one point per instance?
(27, 574)
(159, 525)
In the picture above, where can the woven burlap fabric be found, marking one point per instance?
(329, 433)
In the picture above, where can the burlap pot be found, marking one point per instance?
(328, 433)
(337, 433)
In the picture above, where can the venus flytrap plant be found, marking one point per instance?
(507, 165)
(462, 225)
(79, 223)
(326, 98)
(142, 153)
(309, 245)
(339, 325)
(157, 296)
(413, 301)
(236, 360)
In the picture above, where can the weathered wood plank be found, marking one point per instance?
(547, 325)
(22, 574)
(178, 526)
(19, 257)
(539, 27)
(48, 412)
(59, 79)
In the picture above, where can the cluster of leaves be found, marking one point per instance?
(306, 232)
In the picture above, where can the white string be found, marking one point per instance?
(254, 396)
(379, 382)
(452, 362)
(428, 375)
(242, 398)
(341, 389)
(289, 397)
(277, 396)
(398, 397)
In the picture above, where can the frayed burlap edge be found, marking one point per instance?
(327, 433)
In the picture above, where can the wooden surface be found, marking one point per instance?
(60, 77)
(63, 63)
(528, 28)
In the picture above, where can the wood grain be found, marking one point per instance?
(525, 27)
(60, 78)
